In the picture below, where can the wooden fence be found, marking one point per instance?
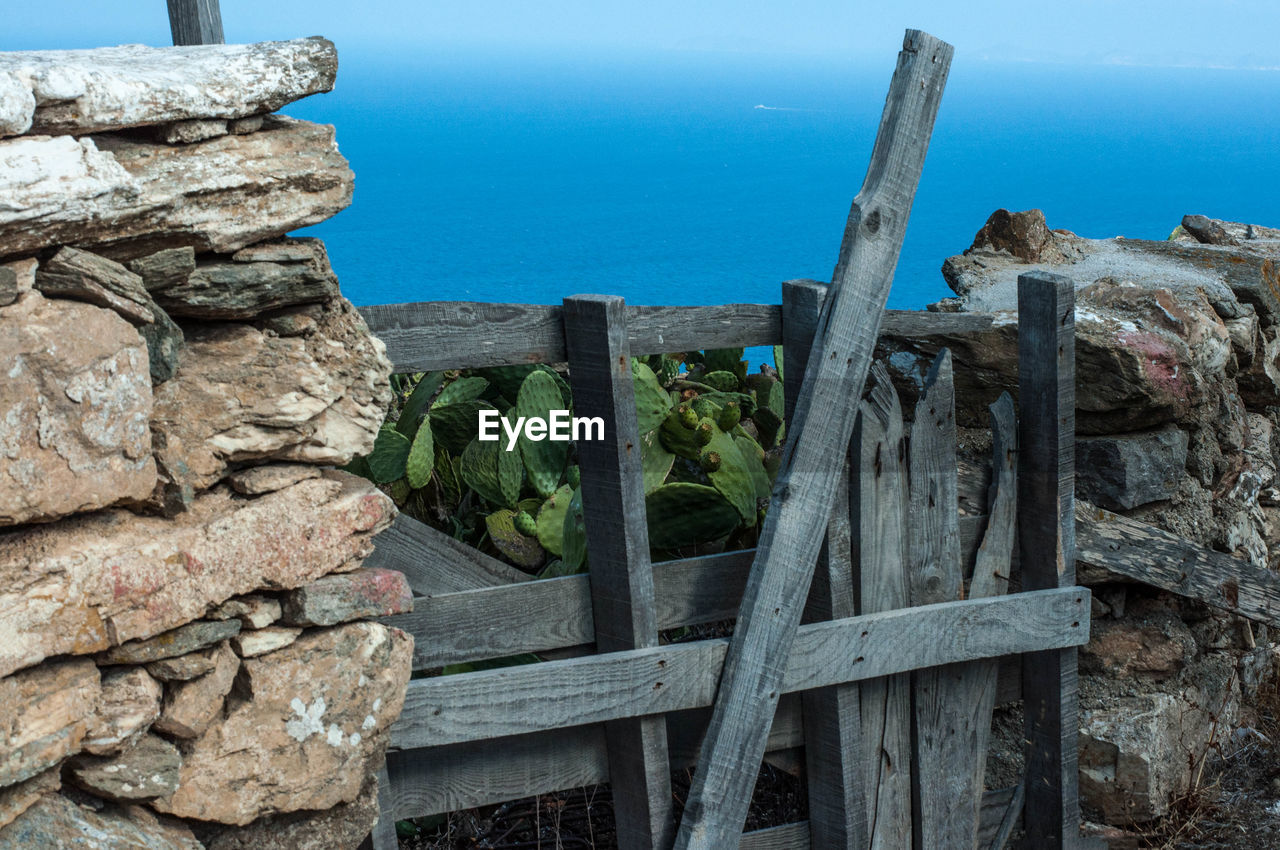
(612, 696)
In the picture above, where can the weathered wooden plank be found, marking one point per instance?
(621, 576)
(195, 22)
(431, 335)
(793, 530)
(1046, 540)
(832, 725)
(383, 836)
(789, 836)
(597, 688)
(435, 563)
(878, 510)
(1142, 552)
(999, 821)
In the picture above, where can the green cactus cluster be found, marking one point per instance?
(709, 440)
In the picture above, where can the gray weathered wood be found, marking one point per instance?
(1135, 550)
(621, 577)
(1046, 540)
(632, 683)
(434, 562)
(195, 22)
(832, 727)
(432, 335)
(934, 573)
(789, 836)
(878, 496)
(1009, 819)
(823, 424)
(383, 836)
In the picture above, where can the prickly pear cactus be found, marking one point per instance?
(416, 404)
(574, 551)
(679, 438)
(544, 459)
(490, 471)
(710, 461)
(550, 522)
(454, 426)
(523, 551)
(732, 477)
(421, 459)
(685, 514)
(725, 382)
(463, 389)
(525, 524)
(655, 461)
(652, 401)
(390, 451)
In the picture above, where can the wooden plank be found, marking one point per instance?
(1046, 540)
(435, 563)
(878, 510)
(789, 836)
(1142, 552)
(383, 836)
(621, 577)
(195, 22)
(793, 531)
(430, 335)
(832, 715)
(1010, 819)
(633, 683)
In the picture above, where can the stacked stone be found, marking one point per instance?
(186, 652)
(1177, 408)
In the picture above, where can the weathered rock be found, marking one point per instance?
(189, 638)
(292, 321)
(288, 250)
(253, 611)
(144, 771)
(56, 823)
(165, 268)
(84, 276)
(342, 827)
(164, 341)
(70, 585)
(245, 289)
(1207, 231)
(129, 704)
(73, 411)
(1020, 234)
(189, 707)
(257, 480)
(190, 132)
(184, 667)
(126, 197)
(16, 799)
(261, 641)
(44, 713)
(110, 88)
(309, 734)
(8, 286)
(1157, 644)
(1123, 471)
(241, 126)
(17, 105)
(1259, 383)
(356, 595)
(246, 395)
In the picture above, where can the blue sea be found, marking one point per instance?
(660, 177)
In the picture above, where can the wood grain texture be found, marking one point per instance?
(1009, 817)
(435, 563)
(195, 22)
(1046, 540)
(832, 715)
(878, 510)
(598, 688)
(1142, 552)
(621, 576)
(430, 335)
(793, 531)
(383, 835)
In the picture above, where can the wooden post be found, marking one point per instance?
(807, 481)
(383, 836)
(832, 718)
(195, 22)
(621, 575)
(1046, 543)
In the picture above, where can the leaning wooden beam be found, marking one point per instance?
(621, 576)
(1153, 556)
(435, 563)
(794, 529)
(833, 747)
(195, 22)
(1046, 539)
(878, 495)
(599, 688)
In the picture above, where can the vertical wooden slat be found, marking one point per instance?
(1046, 535)
(823, 424)
(383, 836)
(195, 21)
(878, 511)
(621, 575)
(832, 719)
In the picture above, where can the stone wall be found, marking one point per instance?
(1177, 408)
(186, 653)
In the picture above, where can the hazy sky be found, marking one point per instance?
(1221, 33)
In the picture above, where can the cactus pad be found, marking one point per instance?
(421, 459)
(523, 551)
(454, 426)
(550, 522)
(725, 382)
(574, 552)
(525, 524)
(543, 459)
(390, 451)
(463, 389)
(495, 478)
(731, 476)
(417, 403)
(683, 514)
(655, 461)
(652, 401)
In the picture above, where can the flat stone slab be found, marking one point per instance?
(129, 704)
(184, 667)
(147, 770)
(57, 823)
(261, 641)
(44, 713)
(16, 799)
(253, 611)
(182, 640)
(1120, 472)
(190, 707)
(357, 595)
(127, 197)
(257, 480)
(110, 88)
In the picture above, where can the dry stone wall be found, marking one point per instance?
(187, 652)
(1177, 408)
